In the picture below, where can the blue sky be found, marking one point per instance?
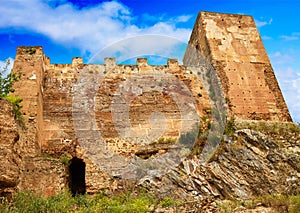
(82, 28)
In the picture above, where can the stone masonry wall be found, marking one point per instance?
(233, 46)
(35, 168)
(58, 95)
(60, 81)
(129, 102)
(30, 62)
(48, 93)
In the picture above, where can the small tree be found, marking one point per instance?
(6, 89)
(7, 82)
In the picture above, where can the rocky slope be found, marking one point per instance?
(254, 159)
(258, 159)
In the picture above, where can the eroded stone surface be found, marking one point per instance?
(42, 175)
(248, 164)
(234, 47)
(9, 160)
(50, 110)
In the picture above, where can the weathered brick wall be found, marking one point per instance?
(58, 134)
(62, 81)
(58, 97)
(36, 172)
(233, 46)
(230, 43)
(30, 62)
(9, 159)
(42, 175)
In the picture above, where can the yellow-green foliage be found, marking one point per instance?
(229, 127)
(65, 159)
(294, 204)
(166, 140)
(279, 203)
(64, 202)
(16, 102)
(168, 202)
(6, 89)
(270, 127)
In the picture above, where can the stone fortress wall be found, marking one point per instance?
(234, 47)
(231, 43)
(49, 90)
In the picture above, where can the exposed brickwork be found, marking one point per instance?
(9, 159)
(30, 61)
(58, 95)
(231, 44)
(234, 47)
(48, 93)
(42, 175)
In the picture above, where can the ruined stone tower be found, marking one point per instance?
(234, 47)
(230, 43)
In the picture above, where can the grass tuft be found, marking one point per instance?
(64, 202)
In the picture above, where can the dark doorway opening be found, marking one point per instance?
(77, 176)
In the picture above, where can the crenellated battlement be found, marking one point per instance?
(233, 49)
(111, 66)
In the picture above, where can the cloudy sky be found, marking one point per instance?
(68, 28)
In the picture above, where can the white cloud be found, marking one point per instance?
(183, 18)
(266, 38)
(279, 58)
(165, 19)
(290, 38)
(289, 81)
(3, 66)
(263, 23)
(89, 29)
(293, 37)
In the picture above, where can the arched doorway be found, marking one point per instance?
(77, 176)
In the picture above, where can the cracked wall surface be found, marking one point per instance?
(234, 47)
(139, 109)
(129, 102)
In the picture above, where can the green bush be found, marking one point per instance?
(270, 127)
(166, 140)
(294, 204)
(16, 102)
(65, 159)
(6, 88)
(278, 203)
(64, 202)
(7, 82)
(229, 127)
(31, 51)
(168, 202)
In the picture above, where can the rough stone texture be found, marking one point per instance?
(48, 92)
(247, 164)
(9, 160)
(43, 175)
(20, 171)
(30, 62)
(58, 98)
(233, 46)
